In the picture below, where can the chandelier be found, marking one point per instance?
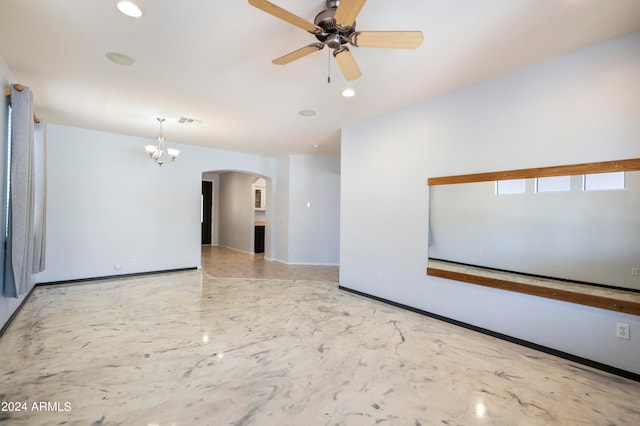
(157, 153)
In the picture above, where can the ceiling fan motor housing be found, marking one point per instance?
(332, 4)
(332, 34)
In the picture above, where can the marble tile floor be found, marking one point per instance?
(187, 348)
(223, 262)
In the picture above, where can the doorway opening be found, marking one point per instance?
(206, 212)
(236, 211)
(259, 190)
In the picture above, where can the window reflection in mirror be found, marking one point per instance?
(580, 228)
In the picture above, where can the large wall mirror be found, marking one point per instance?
(569, 232)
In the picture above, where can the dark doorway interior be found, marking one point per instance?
(259, 239)
(207, 195)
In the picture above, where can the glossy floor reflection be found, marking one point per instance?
(191, 349)
(223, 262)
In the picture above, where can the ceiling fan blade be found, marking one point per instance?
(297, 54)
(389, 39)
(348, 11)
(347, 64)
(285, 15)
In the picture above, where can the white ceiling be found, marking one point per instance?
(211, 60)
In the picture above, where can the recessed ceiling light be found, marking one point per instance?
(348, 93)
(120, 59)
(307, 112)
(315, 146)
(129, 8)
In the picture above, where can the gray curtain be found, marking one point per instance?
(22, 242)
(40, 197)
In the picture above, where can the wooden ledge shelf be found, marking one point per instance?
(572, 169)
(583, 294)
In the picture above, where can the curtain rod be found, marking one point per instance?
(19, 87)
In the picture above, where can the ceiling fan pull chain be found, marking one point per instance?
(329, 71)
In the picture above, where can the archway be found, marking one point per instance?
(234, 214)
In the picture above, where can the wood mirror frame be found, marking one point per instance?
(627, 301)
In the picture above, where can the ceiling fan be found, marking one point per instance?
(335, 27)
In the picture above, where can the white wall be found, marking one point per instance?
(236, 223)
(314, 209)
(109, 205)
(119, 213)
(578, 108)
(307, 212)
(282, 210)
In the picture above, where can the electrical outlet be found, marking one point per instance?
(622, 331)
(379, 276)
(635, 271)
